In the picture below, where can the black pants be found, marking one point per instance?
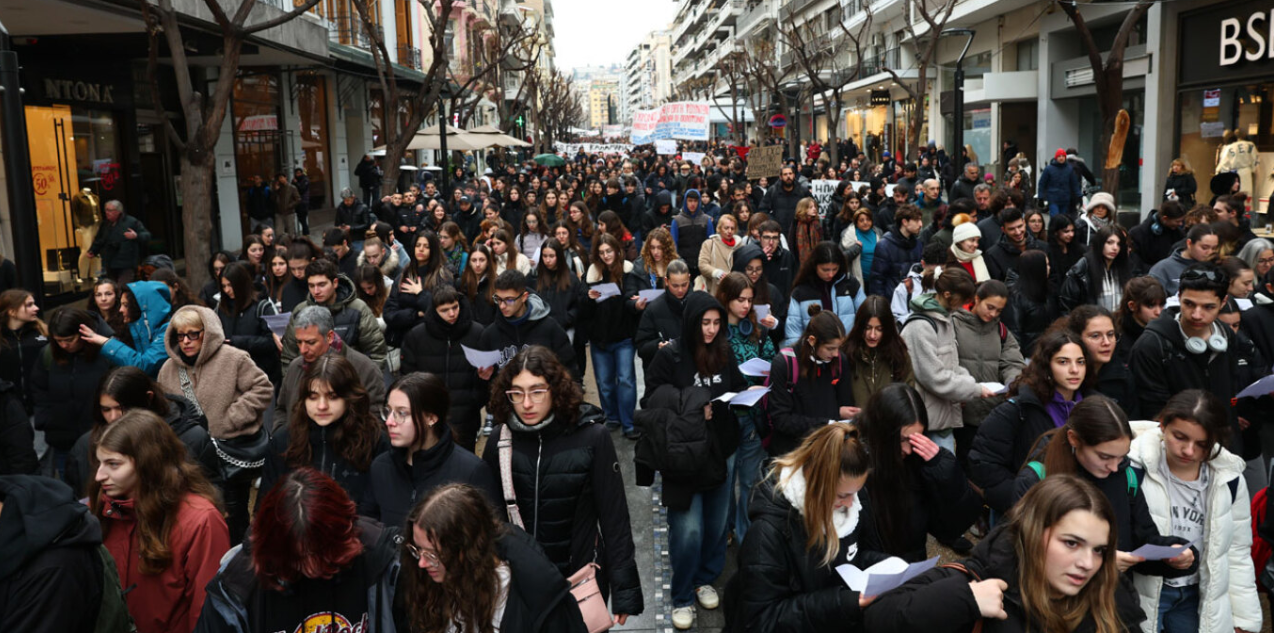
(303, 217)
(235, 497)
(464, 423)
(581, 355)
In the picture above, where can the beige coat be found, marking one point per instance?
(715, 261)
(232, 391)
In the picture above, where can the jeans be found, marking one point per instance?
(697, 540)
(616, 380)
(1179, 609)
(747, 470)
(944, 439)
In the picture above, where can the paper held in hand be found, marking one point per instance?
(761, 310)
(278, 323)
(650, 294)
(756, 368)
(1160, 552)
(1262, 387)
(607, 291)
(884, 576)
(995, 387)
(744, 398)
(480, 359)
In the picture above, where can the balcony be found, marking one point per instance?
(754, 16)
(348, 30)
(794, 7)
(409, 56)
(877, 64)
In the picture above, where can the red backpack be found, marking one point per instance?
(1261, 550)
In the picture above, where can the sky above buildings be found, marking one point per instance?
(593, 33)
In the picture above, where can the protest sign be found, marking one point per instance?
(681, 120)
(765, 162)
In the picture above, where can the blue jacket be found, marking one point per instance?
(147, 352)
(894, 257)
(847, 297)
(1059, 185)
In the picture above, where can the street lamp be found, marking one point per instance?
(959, 86)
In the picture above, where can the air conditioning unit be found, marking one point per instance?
(1079, 77)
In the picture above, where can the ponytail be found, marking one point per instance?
(829, 453)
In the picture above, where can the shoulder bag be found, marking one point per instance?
(239, 458)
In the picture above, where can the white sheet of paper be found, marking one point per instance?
(1158, 552)
(1262, 387)
(756, 367)
(480, 359)
(995, 387)
(761, 310)
(1243, 304)
(650, 294)
(1172, 302)
(884, 576)
(607, 291)
(744, 398)
(278, 323)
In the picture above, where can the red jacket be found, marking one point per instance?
(169, 602)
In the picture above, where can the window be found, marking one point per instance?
(1028, 54)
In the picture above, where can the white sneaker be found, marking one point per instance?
(707, 597)
(683, 618)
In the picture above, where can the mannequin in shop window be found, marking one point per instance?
(85, 216)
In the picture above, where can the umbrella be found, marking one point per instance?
(500, 138)
(550, 160)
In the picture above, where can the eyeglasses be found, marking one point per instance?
(753, 270)
(190, 336)
(1195, 274)
(1102, 336)
(401, 416)
(1265, 261)
(537, 396)
(430, 558)
(769, 238)
(509, 301)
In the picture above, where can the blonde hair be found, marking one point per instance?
(807, 206)
(1185, 167)
(829, 453)
(185, 318)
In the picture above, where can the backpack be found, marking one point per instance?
(112, 615)
(916, 316)
(1134, 481)
(764, 427)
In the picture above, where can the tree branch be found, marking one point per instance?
(286, 17)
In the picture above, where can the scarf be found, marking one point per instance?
(979, 265)
(453, 259)
(808, 234)
(729, 243)
(516, 424)
(792, 485)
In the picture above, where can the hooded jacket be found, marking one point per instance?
(746, 254)
(1168, 271)
(660, 322)
(65, 395)
(653, 218)
(798, 405)
(690, 231)
(1002, 257)
(1162, 367)
(1227, 581)
(51, 572)
(435, 346)
(147, 352)
(895, 255)
(1152, 241)
(941, 381)
(390, 266)
(990, 353)
(1059, 185)
(229, 388)
(354, 322)
(171, 600)
(846, 296)
(535, 327)
(1003, 444)
(780, 204)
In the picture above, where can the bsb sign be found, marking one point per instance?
(1258, 43)
(1228, 41)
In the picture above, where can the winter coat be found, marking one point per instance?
(1028, 319)
(963, 188)
(1258, 323)
(354, 322)
(939, 501)
(377, 567)
(390, 266)
(781, 587)
(52, 575)
(870, 373)
(690, 231)
(715, 260)
(1152, 241)
(396, 486)
(941, 381)
(115, 250)
(535, 327)
(294, 292)
(653, 218)
(357, 216)
(1227, 582)
(190, 427)
(325, 457)
(1003, 444)
(895, 255)
(570, 495)
(564, 305)
(846, 297)
(660, 322)
(17, 438)
(799, 405)
(1168, 271)
(990, 353)
(229, 388)
(613, 319)
(940, 600)
(18, 352)
(521, 263)
(285, 199)
(65, 395)
(248, 331)
(1059, 186)
(780, 269)
(147, 352)
(171, 600)
(529, 245)
(368, 173)
(1184, 186)
(853, 248)
(1059, 263)
(780, 204)
(1162, 367)
(404, 311)
(369, 374)
(1002, 257)
(436, 347)
(539, 598)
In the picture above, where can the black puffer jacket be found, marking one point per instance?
(1162, 368)
(1004, 442)
(18, 351)
(65, 395)
(567, 483)
(324, 457)
(435, 347)
(396, 485)
(247, 331)
(1152, 241)
(797, 406)
(403, 310)
(940, 600)
(1002, 257)
(783, 588)
(660, 321)
(1258, 323)
(613, 319)
(539, 597)
(294, 292)
(17, 440)
(1027, 319)
(564, 305)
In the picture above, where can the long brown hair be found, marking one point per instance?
(470, 282)
(729, 289)
(164, 475)
(1047, 503)
(13, 299)
(669, 248)
(615, 272)
(465, 531)
(559, 277)
(355, 435)
(892, 349)
(1038, 374)
(827, 454)
(1095, 420)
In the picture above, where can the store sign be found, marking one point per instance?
(1228, 41)
(67, 90)
(1211, 106)
(880, 97)
(1259, 44)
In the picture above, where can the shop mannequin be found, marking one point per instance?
(1239, 156)
(85, 216)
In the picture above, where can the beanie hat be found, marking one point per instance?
(964, 232)
(1061, 153)
(1101, 199)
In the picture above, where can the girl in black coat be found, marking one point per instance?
(411, 296)
(64, 382)
(1032, 302)
(808, 517)
(1108, 370)
(476, 283)
(918, 490)
(1180, 185)
(568, 492)
(1142, 303)
(1063, 249)
(22, 336)
(561, 290)
(821, 389)
(1100, 276)
(612, 322)
(461, 564)
(1050, 568)
(242, 312)
(437, 346)
(423, 456)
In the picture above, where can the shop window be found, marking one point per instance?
(258, 141)
(312, 106)
(1207, 115)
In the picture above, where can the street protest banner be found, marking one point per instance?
(681, 120)
(822, 191)
(666, 147)
(571, 149)
(765, 162)
(692, 157)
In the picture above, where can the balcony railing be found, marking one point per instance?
(348, 30)
(877, 64)
(409, 56)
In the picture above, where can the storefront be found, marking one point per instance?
(1224, 95)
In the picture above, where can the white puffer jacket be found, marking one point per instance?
(1227, 583)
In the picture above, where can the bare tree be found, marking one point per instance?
(766, 76)
(559, 109)
(1108, 77)
(935, 18)
(731, 69)
(204, 110)
(506, 49)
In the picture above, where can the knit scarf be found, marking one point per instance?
(731, 242)
(516, 424)
(979, 265)
(453, 259)
(808, 234)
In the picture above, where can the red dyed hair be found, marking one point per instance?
(306, 526)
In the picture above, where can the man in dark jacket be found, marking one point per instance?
(618, 202)
(780, 264)
(315, 338)
(963, 187)
(1059, 186)
(661, 320)
(51, 565)
(523, 321)
(285, 199)
(1153, 239)
(369, 175)
(338, 240)
(119, 242)
(780, 201)
(435, 346)
(469, 218)
(690, 229)
(1014, 240)
(659, 215)
(302, 184)
(896, 252)
(353, 216)
(258, 201)
(354, 321)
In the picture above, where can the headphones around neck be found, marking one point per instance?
(1216, 342)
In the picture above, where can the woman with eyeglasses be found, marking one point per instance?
(1107, 368)
(424, 455)
(224, 385)
(567, 489)
(464, 569)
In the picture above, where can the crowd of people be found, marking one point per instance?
(385, 428)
